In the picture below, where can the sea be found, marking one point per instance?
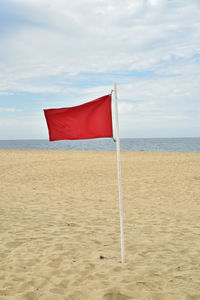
(126, 144)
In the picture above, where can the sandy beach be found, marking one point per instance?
(60, 233)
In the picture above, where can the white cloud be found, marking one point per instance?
(101, 36)
(55, 41)
(9, 109)
(29, 126)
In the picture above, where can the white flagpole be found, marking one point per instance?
(119, 173)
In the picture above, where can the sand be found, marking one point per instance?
(60, 234)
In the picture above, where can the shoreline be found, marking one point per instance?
(108, 151)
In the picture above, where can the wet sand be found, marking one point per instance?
(60, 233)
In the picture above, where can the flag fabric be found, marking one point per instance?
(87, 121)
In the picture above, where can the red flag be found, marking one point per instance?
(87, 121)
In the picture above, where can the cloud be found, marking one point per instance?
(28, 126)
(77, 49)
(97, 36)
(9, 109)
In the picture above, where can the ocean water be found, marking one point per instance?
(126, 144)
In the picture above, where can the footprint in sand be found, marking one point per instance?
(115, 296)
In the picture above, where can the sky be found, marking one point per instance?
(60, 53)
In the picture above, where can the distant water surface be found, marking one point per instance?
(138, 144)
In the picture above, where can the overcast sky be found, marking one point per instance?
(59, 53)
